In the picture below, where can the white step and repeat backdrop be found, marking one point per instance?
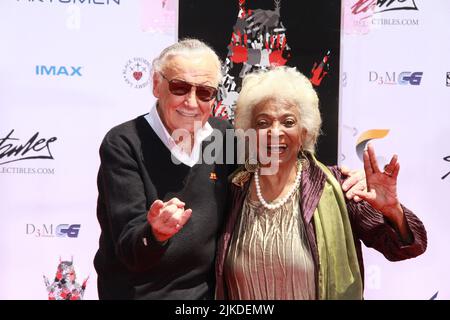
(70, 70)
(395, 92)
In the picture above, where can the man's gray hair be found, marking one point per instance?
(186, 47)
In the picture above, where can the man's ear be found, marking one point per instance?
(156, 84)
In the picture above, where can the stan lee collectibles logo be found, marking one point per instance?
(137, 73)
(378, 6)
(13, 149)
(361, 16)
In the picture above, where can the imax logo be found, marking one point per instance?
(69, 71)
(403, 78)
(48, 230)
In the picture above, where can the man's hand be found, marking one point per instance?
(167, 218)
(356, 181)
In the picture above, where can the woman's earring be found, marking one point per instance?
(251, 165)
(303, 158)
(301, 154)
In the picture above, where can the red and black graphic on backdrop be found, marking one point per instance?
(257, 34)
(65, 286)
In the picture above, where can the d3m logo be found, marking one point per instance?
(49, 231)
(68, 71)
(412, 78)
(403, 78)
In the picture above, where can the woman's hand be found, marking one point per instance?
(381, 191)
(381, 186)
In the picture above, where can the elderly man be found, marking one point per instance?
(135, 259)
(160, 218)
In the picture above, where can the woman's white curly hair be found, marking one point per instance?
(283, 84)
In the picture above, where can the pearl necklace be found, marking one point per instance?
(283, 200)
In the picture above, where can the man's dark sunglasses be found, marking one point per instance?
(181, 87)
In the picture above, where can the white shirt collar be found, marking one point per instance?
(188, 159)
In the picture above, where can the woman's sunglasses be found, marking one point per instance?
(181, 87)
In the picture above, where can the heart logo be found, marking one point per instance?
(137, 75)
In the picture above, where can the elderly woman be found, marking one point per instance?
(290, 233)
